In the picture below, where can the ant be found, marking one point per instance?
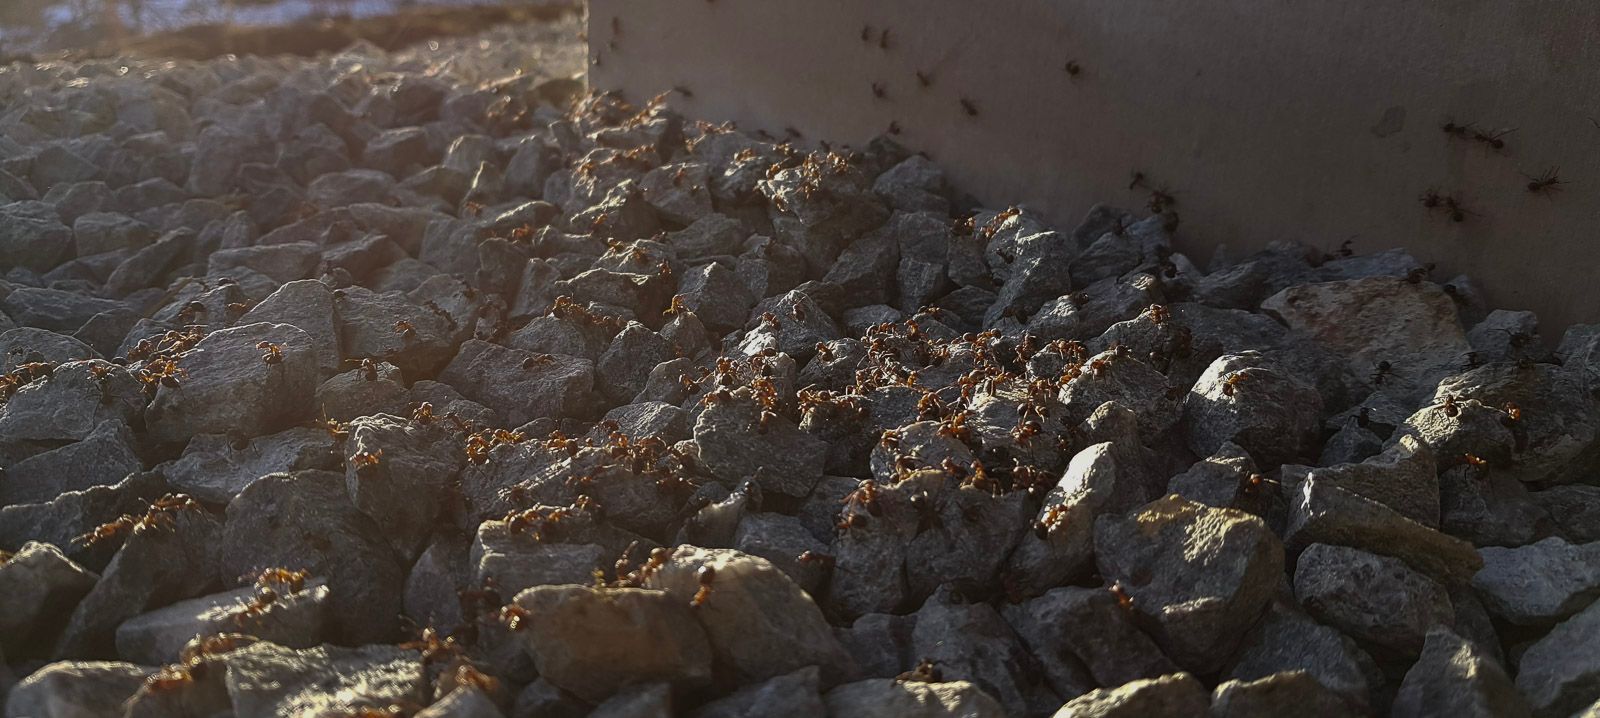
(1462, 132)
(1513, 412)
(924, 79)
(866, 33)
(1383, 369)
(1052, 518)
(1073, 68)
(1416, 276)
(926, 672)
(683, 90)
(1233, 380)
(883, 39)
(1546, 184)
(273, 354)
(1138, 180)
(808, 557)
(704, 577)
(1493, 139)
(879, 91)
(363, 460)
(538, 360)
(894, 127)
(969, 107)
(1124, 601)
(405, 329)
(1451, 405)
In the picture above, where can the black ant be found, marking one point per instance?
(968, 107)
(879, 91)
(866, 33)
(924, 79)
(1384, 369)
(1464, 132)
(1138, 180)
(683, 90)
(1546, 184)
(1073, 68)
(894, 127)
(883, 39)
(1493, 140)
(1457, 212)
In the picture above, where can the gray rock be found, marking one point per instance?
(38, 589)
(152, 568)
(228, 384)
(758, 622)
(1455, 678)
(521, 385)
(293, 619)
(925, 241)
(1404, 477)
(562, 638)
(1198, 602)
(98, 232)
(464, 702)
(408, 487)
(792, 695)
(305, 521)
(1413, 327)
(1287, 640)
(1555, 438)
(888, 698)
(358, 392)
(514, 560)
(1490, 508)
(651, 418)
(1035, 276)
(1506, 336)
(74, 513)
(1319, 513)
(1221, 480)
(1558, 675)
(213, 470)
(1177, 694)
(1265, 410)
(1575, 510)
(308, 305)
(1084, 638)
(443, 569)
(370, 325)
(75, 688)
(1541, 583)
(53, 309)
(1110, 376)
(735, 447)
(33, 236)
(101, 459)
(266, 679)
(622, 370)
(1376, 599)
(970, 533)
(71, 404)
(970, 641)
(866, 269)
(1278, 694)
(24, 345)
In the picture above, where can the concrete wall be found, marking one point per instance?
(1267, 120)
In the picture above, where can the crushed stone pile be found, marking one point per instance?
(408, 385)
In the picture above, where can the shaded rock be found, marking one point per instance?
(521, 385)
(305, 521)
(76, 688)
(101, 459)
(758, 622)
(1196, 602)
(514, 560)
(214, 469)
(308, 305)
(408, 486)
(390, 327)
(1558, 674)
(791, 695)
(1246, 400)
(734, 447)
(266, 679)
(32, 236)
(292, 619)
(970, 641)
(584, 639)
(54, 309)
(1319, 513)
(74, 513)
(38, 589)
(1404, 477)
(1287, 640)
(229, 384)
(1575, 510)
(888, 698)
(1453, 677)
(1376, 599)
(1083, 633)
(1538, 584)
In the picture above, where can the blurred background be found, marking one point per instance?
(32, 27)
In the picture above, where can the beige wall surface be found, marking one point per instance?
(1265, 119)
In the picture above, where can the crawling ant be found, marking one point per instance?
(1493, 139)
(1138, 180)
(799, 312)
(1251, 484)
(538, 360)
(1160, 200)
(1416, 276)
(406, 330)
(894, 127)
(365, 460)
(369, 369)
(1124, 601)
(1052, 518)
(865, 496)
(1073, 68)
(1474, 460)
(1025, 430)
(1457, 212)
(1513, 412)
(683, 90)
(808, 557)
(515, 617)
(924, 79)
(866, 33)
(969, 107)
(1546, 184)
(273, 353)
(1159, 314)
(926, 672)
(879, 91)
(1431, 199)
(1451, 406)
(1458, 131)
(1381, 370)
(883, 39)
(704, 576)
(1234, 380)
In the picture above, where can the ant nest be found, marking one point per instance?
(594, 369)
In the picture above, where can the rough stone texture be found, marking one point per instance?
(1267, 411)
(1287, 693)
(1376, 599)
(38, 589)
(1453, 677)
(1287, 640)
(734, 448)
(1538, 584)
(1559, 674)
(585, 640)
(228, 387)
(1178, 694)
(1198, 603)
(75, 688)
(521, 385)
(213, 469)
(1319, 513)
(886, 698)
(1072, 630)
(294, 620)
